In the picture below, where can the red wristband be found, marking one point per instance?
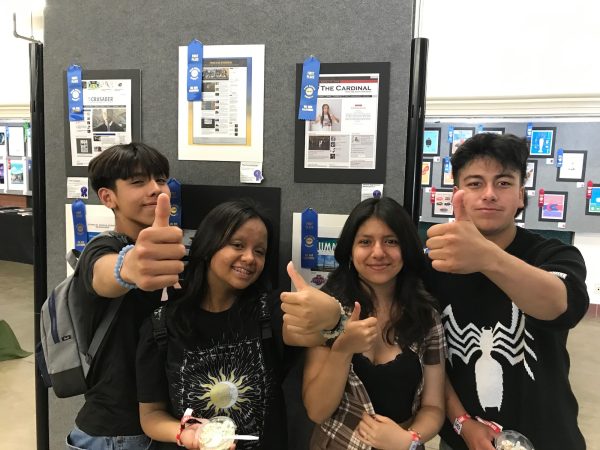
(458, 422)
(497, 428)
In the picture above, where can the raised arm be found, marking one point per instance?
(326, 370)
(153, 263)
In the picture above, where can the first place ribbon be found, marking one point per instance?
(194, 73)
(79, 224)
(309, 248)
(75, 93)
(309, 90)
(175, 188)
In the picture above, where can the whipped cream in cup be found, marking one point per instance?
(512, 440)
(217, 434)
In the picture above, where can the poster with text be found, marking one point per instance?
(227, 125)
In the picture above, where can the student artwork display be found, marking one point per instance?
(16, 175)
(460, 135)
(426, 169)
(442, 204)
(542, 142)
(431, 141)
(520, 218)
(227, 125)
(530, 174)
(16, 141)
(573, 166)
(447, 176)
(592, 206)
(554, 208)
(346, 143)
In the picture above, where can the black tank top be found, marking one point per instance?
(391, 386)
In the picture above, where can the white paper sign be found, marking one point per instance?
(371, 191)
(251, 172)
(77, 187)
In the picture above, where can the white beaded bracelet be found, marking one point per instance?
(118, 266)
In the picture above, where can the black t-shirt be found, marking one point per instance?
(391, 386)
(111, 407)
(226, 368)
(506, 366)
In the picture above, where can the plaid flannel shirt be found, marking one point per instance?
(337, 432)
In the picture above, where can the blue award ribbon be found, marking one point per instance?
(309, 90)
(559, 157)
(75, 93)
(79, 224)
(194, 74)
(447, 164)
(175, 188)
(309, 247)
(450, 134)
(529, 131)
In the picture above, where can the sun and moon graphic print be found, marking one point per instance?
(226, 379)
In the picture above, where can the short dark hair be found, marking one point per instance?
(213, 234)
(124, 161)
(508, 150)
(411, 315)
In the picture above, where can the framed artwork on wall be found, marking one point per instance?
(431, 141)
(554, 208)
(530, 174)
(520, 218)
(460, 135)
(542, 142)
(573, 166)
(426, 168)
(442, 206)
(592, 204)
(447, 179)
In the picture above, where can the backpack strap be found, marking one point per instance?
(159, 327)
(102, 330)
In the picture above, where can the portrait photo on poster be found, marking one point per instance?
(573, 166)
(554, 208)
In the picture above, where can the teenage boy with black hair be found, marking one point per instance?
(509, 298)
(132, 181)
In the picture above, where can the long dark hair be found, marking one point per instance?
(323, 113)
(214, 232)
(412, 307)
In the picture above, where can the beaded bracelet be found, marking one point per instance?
(339, 328)
(118, 266)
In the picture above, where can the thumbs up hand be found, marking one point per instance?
(358, 336)
(308, 310)
(459, 247)
(155, 261)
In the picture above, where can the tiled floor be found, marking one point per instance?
(17, 400)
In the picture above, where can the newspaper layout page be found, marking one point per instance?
(106, 119)
(344, 133)
(221, 116)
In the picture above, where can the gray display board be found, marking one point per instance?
(146, 35)
(569, 136)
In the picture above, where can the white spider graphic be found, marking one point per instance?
(509, 342)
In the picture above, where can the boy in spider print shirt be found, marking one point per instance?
(509, 298)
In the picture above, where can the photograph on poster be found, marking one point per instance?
(426, 168)
(328, 117)
(442, 205)
(573, 166)
(460, 135)
(329, 228)
(592, 207)
(530, 174)
(447, 177)
(542, 142)
(493, 130)
(16, 175)
(431, 141)
(554, 208)
(227, 125)
(109, 119)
